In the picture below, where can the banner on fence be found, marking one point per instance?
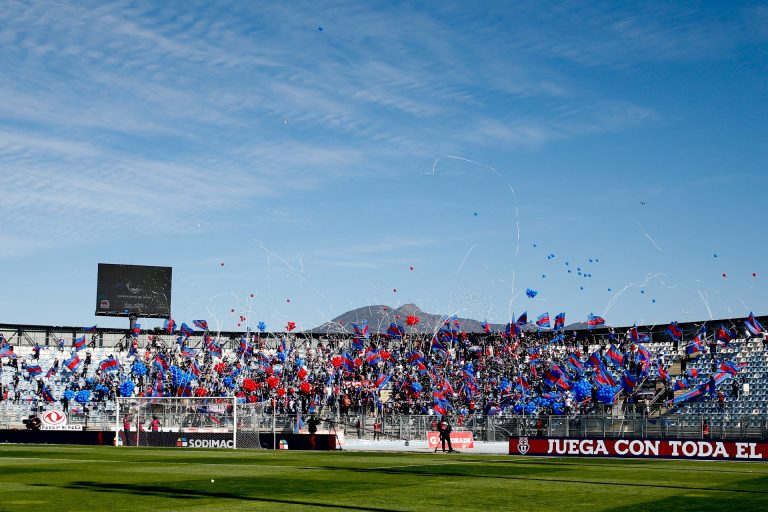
(646, 448)
(459, 440)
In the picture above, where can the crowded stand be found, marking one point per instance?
(524, 369)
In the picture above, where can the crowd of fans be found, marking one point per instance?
(450, 372)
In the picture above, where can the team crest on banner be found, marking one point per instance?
(522, 445)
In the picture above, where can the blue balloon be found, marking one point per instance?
(138, 368)
(228, 382)
(262, 327)
(69, 394)
(83, 397)
(582, 390)
(518, 408)
(558, 408)
(606, 395)
(126, 388)
(416, 387)
(530, 408)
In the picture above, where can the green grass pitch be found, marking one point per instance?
(57, 478)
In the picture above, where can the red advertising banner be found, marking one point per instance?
(459, 440)
(648, 448)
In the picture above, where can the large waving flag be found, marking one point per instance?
(603, 376)
(724, 335)
(169, 325)
(347, 362)
(522, 319)
(186, 330)
(79, 343)
(510, 330)
(89, 329)
(615, 356)
(362, 329)
(594, 321)
(110, 364)
(628, 382)
(695, 348)
(200, 324)
(575, 363)
(357, 343)
(382, 381)
(594, 360)
(211, 345)
(674, 331)
(46, 394)
(136, 330)
(637, 337)
(486, 327)
(438, 346)
(560, 322)
(753, 326)
(543, 320)
(34, 369)
(395, 331)
(72, 363)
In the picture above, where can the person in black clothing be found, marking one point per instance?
(444, 427)
(312, 424)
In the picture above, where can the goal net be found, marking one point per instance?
(188, 422)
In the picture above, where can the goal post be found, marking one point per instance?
(187, 422)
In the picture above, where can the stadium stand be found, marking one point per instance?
(608, 381)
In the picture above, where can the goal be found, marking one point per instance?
(188, 422)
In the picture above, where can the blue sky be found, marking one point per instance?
(321, 149)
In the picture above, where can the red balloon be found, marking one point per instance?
(272, 382)
(754, 274)
(281, 392)
(222, 263)
(249, 385)
(287, 300)
(336, 361)
(412, 320)
(290, 326)
(251, 295)
(394, 290)
(303, 373)
(201, 392)
(305, 387)
(724, 275)
(411, 268)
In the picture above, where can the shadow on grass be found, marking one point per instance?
(390, 471)
(188, 494)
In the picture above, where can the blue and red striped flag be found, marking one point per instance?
(46, 394)
(362, 329)
(522, 319)
(724, 335)
(615, 356)
(89, 329)
(161, 363)
(34, 369)
(559, 322)
(72, 363)
(395, 331)
(594, 321)
(382, 381)
(110, 364)
(200, 324)
(543, 320)
(486, 327)
(136, 330)
(186, 330)
(79, 343)
(674, 331)
(51, 372)
(169, 325)
(753, 326)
